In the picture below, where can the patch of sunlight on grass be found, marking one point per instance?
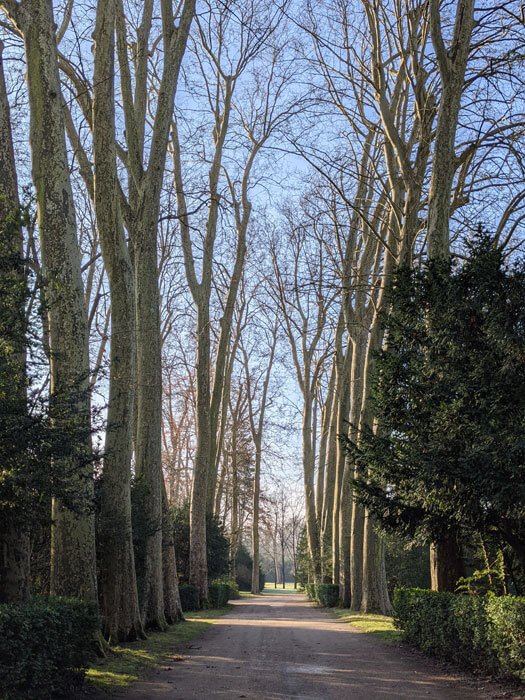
(380, 625)
(270, 589)
(127, 663)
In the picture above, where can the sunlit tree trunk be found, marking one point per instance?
(118, 580)
(73, 571)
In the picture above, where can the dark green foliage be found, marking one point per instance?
(219, 593)
(189, 597)
(407, 565)
(217, 545)
(304, 566)
(311, 591)
(448, 394)
(326, 594)
(486, 633)
(45, 647)
(244, 568)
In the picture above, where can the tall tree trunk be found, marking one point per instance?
(445, 566)
(146, 185)
(234, 534)
(199, 488)
(73, 570)
(119, 587)
(452, 65)
(312, 530)
(375, 594)
(330, 426)
(446, 563)
(172, 604)
(149, 418)
(343, 384)
(256, 509)
(14, 535)
(358, 516)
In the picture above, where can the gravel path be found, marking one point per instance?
(280, 646)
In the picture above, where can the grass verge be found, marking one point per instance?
(379, 625)
(130, 662)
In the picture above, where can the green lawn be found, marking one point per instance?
(380, 625)
(130, 662)
(271, 590)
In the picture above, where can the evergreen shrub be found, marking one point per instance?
(46, 646)
(484, 632)
(189, 597)
(311, 591)
(327, 594)
(218, 594)
(244, 568)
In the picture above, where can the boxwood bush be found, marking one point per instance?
(218, 594)
(311, 591)
(485, 632)
(326, 594)
(189, 597)
(46, 646)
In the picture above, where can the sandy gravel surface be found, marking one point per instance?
(280, 646)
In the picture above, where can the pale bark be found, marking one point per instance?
(73, 571)
(452, 66)
(119, 588)
(326, 497)
(256, 428)
(145, 191)
(172, 605)
(341, 518)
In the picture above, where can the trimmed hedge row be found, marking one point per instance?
(46, 646)
(486, 633)
(219, 593)
(326, 594)
(189, 597)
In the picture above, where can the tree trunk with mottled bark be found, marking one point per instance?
(117, 563)
(73, 570)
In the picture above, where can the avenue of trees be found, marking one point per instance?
(240, 242)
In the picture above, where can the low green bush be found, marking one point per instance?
(46, 646)
(311, 591)
(327, 594)
(486, 633)
(218, 594)
(234, 590)
(189, 597)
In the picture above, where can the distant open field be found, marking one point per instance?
(270, 589)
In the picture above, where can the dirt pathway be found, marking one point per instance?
(280, 646)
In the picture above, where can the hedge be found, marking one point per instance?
(189, 597)
(218, 594)
(46, 646)
(326, 594)
(486, 633)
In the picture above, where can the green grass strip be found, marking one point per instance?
(380, 625)
(130, 662)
